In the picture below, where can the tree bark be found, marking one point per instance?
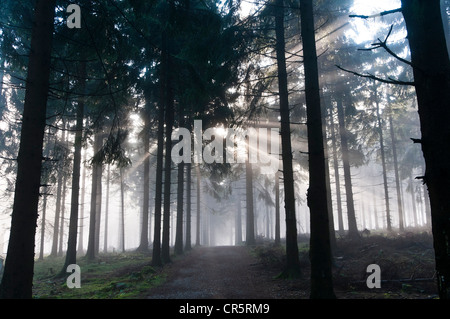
(292, 268)
(320, 248)
(336, 176)
(180, 194)
(431, 68)
(277, 209)
(71, 255)
(17, 278)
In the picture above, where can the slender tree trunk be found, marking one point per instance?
(54, 251)
(143, 245)
(250, 217)
(292, 268)
(156, 254)
(352, 226)
(180, 194)
(91, 252)
(336, 177)
(277, 209)
(63, 212)
(320, 248)
(98, 208)
(71, 255)
(383, 163)
(188, 244)
(105, 236)
(83, 191)
(431, 68)
(122, 213)
(413, 201)
(17, 278)
(44, 210)
(238, 222)
(199, 182)
(397, 178)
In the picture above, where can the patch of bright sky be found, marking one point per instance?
(363, 30)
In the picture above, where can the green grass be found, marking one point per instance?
(111, 276)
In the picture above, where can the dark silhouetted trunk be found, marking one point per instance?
(431, 67)
(188, 244)
(91, 252)
(17, 278)
(71, 255)
(83, 191)
(292, 268)
(122, 212)
(199, 183)
(277, 209)
(320, 248)
(143, 245)
(180, 194)
(108, 182)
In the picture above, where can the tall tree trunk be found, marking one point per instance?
(143, 245)
(413, 201)
(188, 244)
(98, 208)
(431, 67)
(397, 178)
(83, 191)
(44, 211)
(165, 246)
(383, 162)
(250, 216)
(180, 193)
(320, 248)
(199, 183)
(54, 251)
(108, 182)
(352, 227)
(336, 176)
(17, 278)
(122, 213)
(292, 268)
(91, 252)
(156, 254)
(238, 222)
(63, 212)
(71, 255)
(277, 209)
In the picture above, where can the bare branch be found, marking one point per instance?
(373, 77)
(376, 15)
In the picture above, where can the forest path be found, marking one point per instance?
(221, 272)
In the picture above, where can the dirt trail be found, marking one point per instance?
(216, 273)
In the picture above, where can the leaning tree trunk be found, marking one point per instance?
(292, 268)
(17, 278)
(320, 248)
(431, 67)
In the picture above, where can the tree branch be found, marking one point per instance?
(373, 77)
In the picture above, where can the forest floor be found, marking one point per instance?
(238, 272)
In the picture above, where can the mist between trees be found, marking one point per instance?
(160, 125)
